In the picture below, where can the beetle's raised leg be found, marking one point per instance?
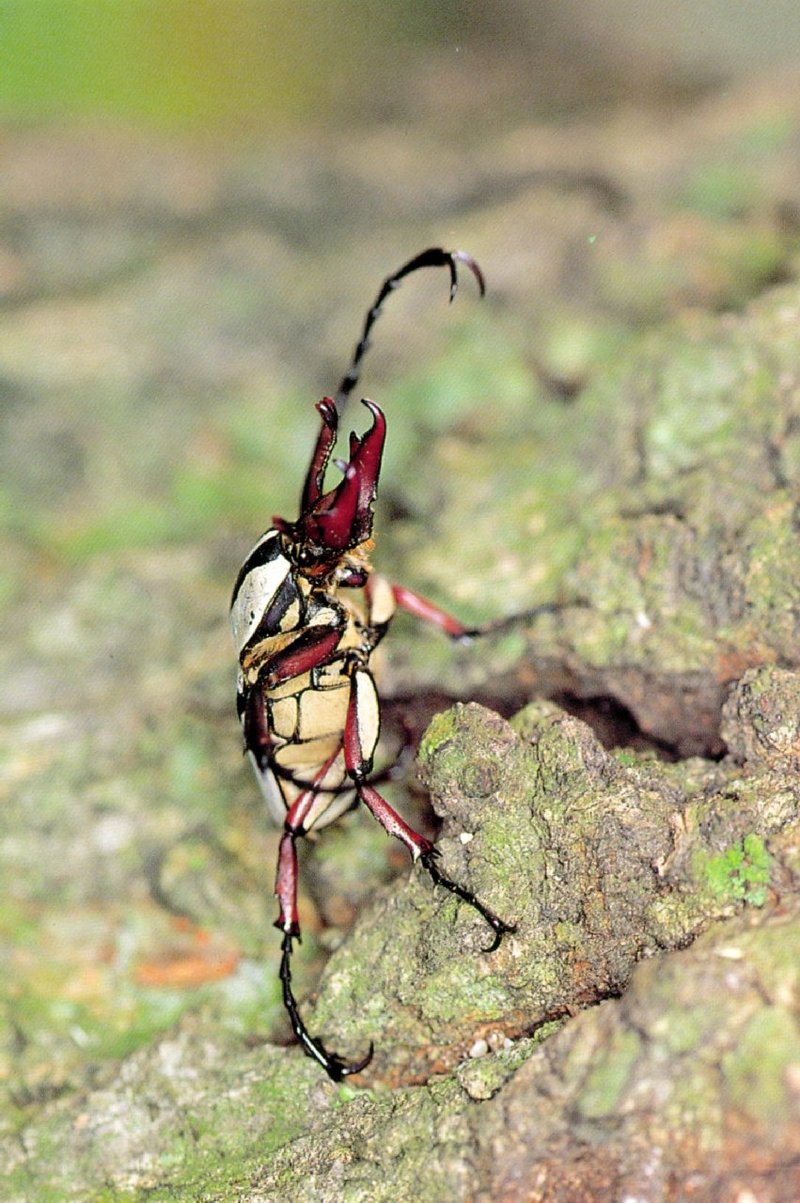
(288, 922)
(360, 739)
(384, 598)
(414, 603)
(378, 589)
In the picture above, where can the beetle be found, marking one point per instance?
(306, 696)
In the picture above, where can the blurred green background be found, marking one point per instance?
(244, 65)
(195, 62)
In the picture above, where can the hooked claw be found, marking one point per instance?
(434, 256)
(499, 926)
(463, 257)
(335, 1067)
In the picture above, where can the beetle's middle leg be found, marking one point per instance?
(360, 740)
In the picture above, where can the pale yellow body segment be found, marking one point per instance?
(308, 713)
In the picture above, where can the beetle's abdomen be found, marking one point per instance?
(309, 710)
(309, 714)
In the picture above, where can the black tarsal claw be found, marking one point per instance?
(335, 1067)
(499, 926)
(500, 929)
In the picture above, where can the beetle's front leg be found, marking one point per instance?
(288, 922)
(386, 597)
(360, 740)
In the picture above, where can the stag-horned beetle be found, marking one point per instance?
(306, 697)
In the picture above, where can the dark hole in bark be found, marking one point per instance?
(612, 722)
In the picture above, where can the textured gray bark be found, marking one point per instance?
(571, 442)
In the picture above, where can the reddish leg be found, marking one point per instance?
(422, 849)
(314, 648)
(420, 607)
(358, 762)
(414, 603)
(288, 922)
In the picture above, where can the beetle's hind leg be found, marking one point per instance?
(335, 1067)
(288, 922)
(425, 852)
(498, 925)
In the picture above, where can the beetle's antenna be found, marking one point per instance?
(434, 256)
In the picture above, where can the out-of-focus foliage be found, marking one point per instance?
(200, 62)
(269, 66)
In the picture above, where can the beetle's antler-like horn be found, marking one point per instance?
(434, 256)
(331, 523)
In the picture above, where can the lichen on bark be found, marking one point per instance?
(633, 467)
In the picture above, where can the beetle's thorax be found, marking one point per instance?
(351, 568)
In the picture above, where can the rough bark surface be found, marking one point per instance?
(615, 435)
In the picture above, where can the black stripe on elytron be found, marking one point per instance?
(257, 734)
(265, 551)
(271, 622)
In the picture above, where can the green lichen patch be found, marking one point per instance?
(700, 1054)
(741, 873)
(597, 861)
(439, 732)
(193, 1118)
(759, 1074)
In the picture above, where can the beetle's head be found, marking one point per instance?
(333, 524)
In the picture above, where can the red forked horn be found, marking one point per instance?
(340, 519)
